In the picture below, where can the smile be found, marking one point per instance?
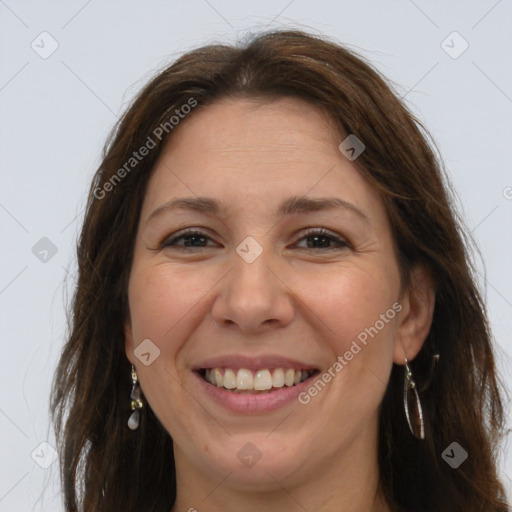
(264, 380)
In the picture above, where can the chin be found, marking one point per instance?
(255, 461)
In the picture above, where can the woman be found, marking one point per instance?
(275, 305)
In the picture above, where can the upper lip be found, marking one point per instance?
(253, 362)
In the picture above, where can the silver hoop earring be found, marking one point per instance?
(136, 402)
(412, 405)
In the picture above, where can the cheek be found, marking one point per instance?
(359, 313)
(350, 302)
(164, 301)
(363, 313)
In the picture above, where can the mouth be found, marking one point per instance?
(251, 385)
(255, 382)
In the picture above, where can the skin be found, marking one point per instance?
(295, 301)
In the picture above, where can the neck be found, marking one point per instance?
(348, 481)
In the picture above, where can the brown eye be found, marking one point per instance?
(189, 238)
(323, 239)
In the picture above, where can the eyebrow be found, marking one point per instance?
(290, 206)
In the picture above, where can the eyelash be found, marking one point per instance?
(319, 232)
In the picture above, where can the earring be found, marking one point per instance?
(412, 404)
(136, 403)
(433, 367)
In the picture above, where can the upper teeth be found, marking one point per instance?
(259, 380)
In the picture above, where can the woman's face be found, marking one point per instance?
(293, 268)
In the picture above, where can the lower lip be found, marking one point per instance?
(246, 403)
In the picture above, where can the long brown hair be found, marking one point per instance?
(107, 467)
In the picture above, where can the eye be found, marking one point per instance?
(317, 238)
(190, 237)
(321, 239)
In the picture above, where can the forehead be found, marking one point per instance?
(251, 153)
(240, 131)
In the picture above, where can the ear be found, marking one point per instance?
(415, 318)
(128, 341)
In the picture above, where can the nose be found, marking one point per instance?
(253, 296)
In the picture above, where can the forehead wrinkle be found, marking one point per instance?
(290, 206)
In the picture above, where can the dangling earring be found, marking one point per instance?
(430, 378)
(412, 404)
(136, 403)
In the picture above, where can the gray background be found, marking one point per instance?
(56, 112)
